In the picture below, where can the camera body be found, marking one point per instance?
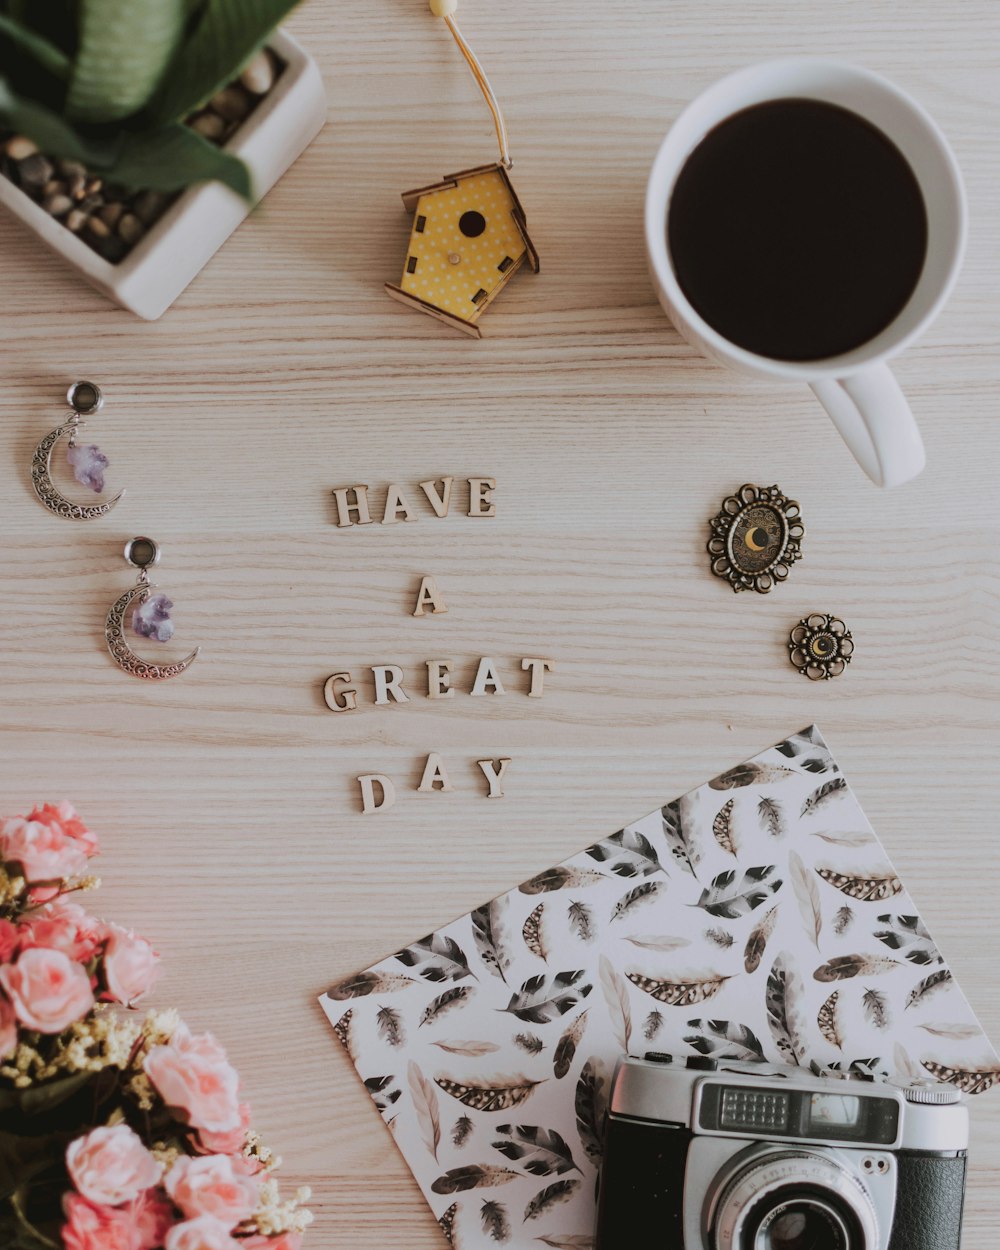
(711, 1155)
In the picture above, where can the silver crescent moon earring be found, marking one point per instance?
(150, 617)
(86, 460)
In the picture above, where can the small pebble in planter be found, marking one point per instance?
(111, 219)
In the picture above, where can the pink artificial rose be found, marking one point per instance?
(203, 1233)
(8, 1029)
(90, 1227)
(193, 1076)
(211, 1185)
(111, 1166)
(65, 927)
(47, 989)
(63, 816)
(44, 852)
(229, 1143)
(129, 965)
(10, 938)
(152, 1214)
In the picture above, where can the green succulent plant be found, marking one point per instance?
(110, 82)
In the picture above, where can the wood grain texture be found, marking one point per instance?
(226, 801)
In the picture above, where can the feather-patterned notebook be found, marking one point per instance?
(757, 918)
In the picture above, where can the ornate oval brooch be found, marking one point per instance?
(756, 538)
(820, 646)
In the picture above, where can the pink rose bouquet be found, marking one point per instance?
(116, 1132)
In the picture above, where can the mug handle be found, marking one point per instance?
(875, 421)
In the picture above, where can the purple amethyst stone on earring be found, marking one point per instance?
(88, 463)
(151, 618)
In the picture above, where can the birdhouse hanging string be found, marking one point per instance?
(469, 235)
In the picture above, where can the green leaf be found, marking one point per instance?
(46, 54)
(125, 48)
(174, 157)
(224, 37)
(41, 1098)
(52, 134)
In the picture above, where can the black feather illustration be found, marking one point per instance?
(364, 983)
(928, 986)
(876, 1007)
(863, 889)
(637, 895)
(550, 1197)
(654, 1022)
(531, 932)
(968, 1080)
(828, 1021)
(729, 896)
(343, 1031)
(543, 998)
(721, 938)
(494, 1218)
(490, 938)
(540, 1151)
(627, 853)
(748, 774)
(445, 1002)
(437, 958)
(676, 836)
(803, 744)
(910, 932)
(784, 999)
(771, 817)
(723, 830)
(826, 791)
(500, 1094)
(565, 1051)
(381, 1091)
(562, 877)
(390, 1026)
(462, 1131)
(447, 1222)
(844, 967)
(528, 1042)
(581, 921)
(843, 920)
(682, 989)
(725, 1039)
(757, 942)
(472, 1176)
(590, 1102)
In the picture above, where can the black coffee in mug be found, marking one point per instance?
(797, 229)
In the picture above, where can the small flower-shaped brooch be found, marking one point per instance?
(756, 538)
(820, 646)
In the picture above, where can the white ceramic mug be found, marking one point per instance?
(856, 388)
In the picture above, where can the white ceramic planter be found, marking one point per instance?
(196, 225)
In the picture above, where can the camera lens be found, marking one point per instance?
(802, 1224)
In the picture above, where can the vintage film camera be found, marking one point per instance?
(707, 1155)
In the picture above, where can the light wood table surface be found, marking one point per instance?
(226, 801)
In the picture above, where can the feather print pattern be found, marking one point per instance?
(864, 889)
(490, 938)
(757, 942)
(581, 921)
(616, 997)
(640, 894)
(500, 1094)
(828, 1021)
(550, 1197)
(805, 950)
(807, 897)
(688, 991)
(494, 1220)
(531, 932)
(425, 1105)
(722, 828)
(565, 1051)
(771, 817)
(445, 1002)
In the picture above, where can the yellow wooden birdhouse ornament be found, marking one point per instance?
(469, 235)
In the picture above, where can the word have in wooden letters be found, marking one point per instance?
(353, 505)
